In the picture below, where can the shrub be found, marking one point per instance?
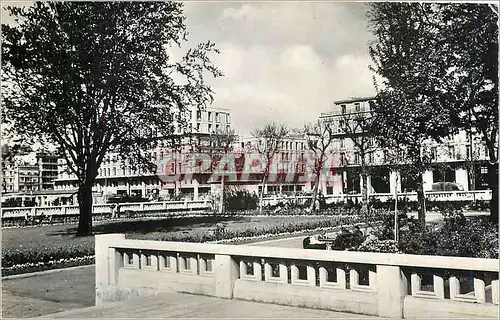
(459, 236)
(372, 244)
(415, 239)
(45, 255)
(347, 239)
(386, 230)
(236, 200)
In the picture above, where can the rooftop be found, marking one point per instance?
(354, 99)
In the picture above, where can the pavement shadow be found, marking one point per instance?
(151, 225)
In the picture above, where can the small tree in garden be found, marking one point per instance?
(358, 128)
(269, 139)
(221, 141)
(97, 77)
(319, 137)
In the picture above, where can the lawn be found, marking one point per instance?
(59, 235)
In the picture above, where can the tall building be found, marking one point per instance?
(48, 169)
(29, 171)
(27, 178)
(209, 120)
(454, 160)
(118, 176)
(285, 175)
(8, 175)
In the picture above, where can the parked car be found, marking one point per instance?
(447, 186)
(126, 199)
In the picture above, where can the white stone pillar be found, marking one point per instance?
(462, 178)
(428, 180)
(143, 188)
(394, 181)
(226, 272)
(195, 188)
(344, 180)
(107, 263)
(369, 185)
(391, 291)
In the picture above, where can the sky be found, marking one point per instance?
(282, 61)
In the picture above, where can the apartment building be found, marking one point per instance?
(289, 165)
(456, 159)
(48, 169)
(118, 176)
(29, 171)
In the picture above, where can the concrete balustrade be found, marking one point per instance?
(104, 209)
(389, 285)
(412, 196)
(204, 205)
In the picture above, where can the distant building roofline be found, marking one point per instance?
(355, 99)
(210, 108)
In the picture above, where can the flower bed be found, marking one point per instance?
(33, 258)
(23, 260)
(221, 233)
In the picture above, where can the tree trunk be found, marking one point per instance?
(493, 184)
(261, 195)
(221, 209)
(396, 222)
(364, 192)
(312, 207)
(421, 201)
(85, 206)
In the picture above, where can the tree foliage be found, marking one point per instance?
(95, 77)
(357, 127)
(438, 65)
(269, 138)
(319, 136)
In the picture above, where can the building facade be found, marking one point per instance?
(119, 176)
(29, 171)
(455, 160)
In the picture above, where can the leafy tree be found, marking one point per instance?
(319, 137)
(357, 127)
(438, 66)
(98, 77)
(269, 139)
(222, 141)
(471, 45)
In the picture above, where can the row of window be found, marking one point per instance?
(108, 172)
(211, 128)
(219, 117)
(289, 145)
(358, 107)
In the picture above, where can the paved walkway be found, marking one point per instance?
(32, 295)
(182, 305)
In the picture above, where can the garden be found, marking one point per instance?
(55, 246)
(47, 247)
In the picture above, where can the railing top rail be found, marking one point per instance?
(105, 204)
(405, 260)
